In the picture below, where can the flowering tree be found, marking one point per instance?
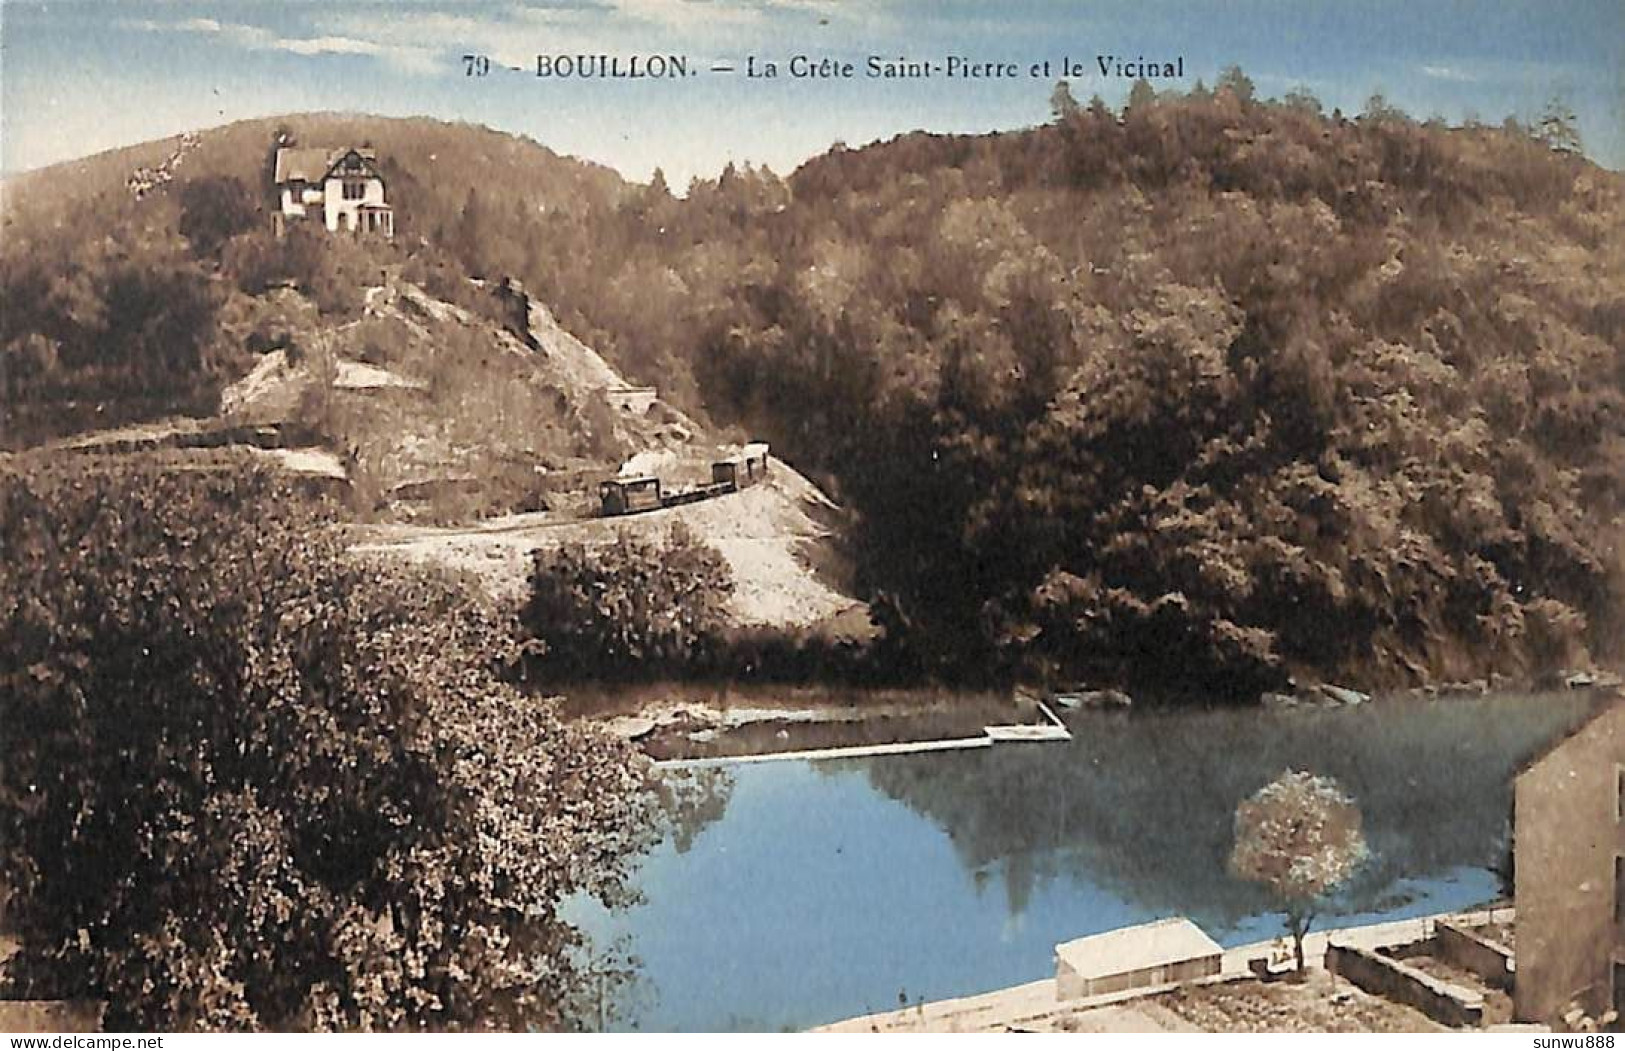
(1300, 837)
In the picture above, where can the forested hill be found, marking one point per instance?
(430, 166)
(1190, 397)
(128, 275)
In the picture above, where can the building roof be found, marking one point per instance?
(312, 163)
(300, 165)
(1614, 708)
(1174, 940)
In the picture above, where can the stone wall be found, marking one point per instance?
(1441, 1001)
(1466, 950)
(634, 400)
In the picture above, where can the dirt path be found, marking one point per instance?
(771, 537)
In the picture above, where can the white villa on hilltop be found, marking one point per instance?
(342, 186)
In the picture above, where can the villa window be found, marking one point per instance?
(354, 189)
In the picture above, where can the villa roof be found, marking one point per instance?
(313, 163)
(300, 165)
(1174, 940)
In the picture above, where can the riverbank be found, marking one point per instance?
(780, 540)
(688, 722)
(1050, 729)
(1035, 1006)
(693, 722)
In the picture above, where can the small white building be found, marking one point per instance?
(1160, 953)
(341, 186)
(636, 401)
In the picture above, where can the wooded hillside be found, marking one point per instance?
(1191, 397)
(118, 287)
(1188, 397)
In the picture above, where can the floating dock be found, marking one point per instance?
(1051, 730)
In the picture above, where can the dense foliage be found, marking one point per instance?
(1212, 391)
(250, 783)
(632, 607)
(128, 321)
(215, 210)
(1193, 397)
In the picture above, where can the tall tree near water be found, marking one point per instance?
(1299, 837)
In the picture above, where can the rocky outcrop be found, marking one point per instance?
(1082, 698)
(1320, 695)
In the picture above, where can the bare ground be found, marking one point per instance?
(1236, 1003)
(1319, 1004)
(770, 536)
(1497, 1004)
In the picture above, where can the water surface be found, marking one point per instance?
(795, 893)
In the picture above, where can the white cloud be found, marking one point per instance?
(1450, 73)
(514, 36)
(427, 39)
(408, 57)
(689, 15)
(1289, 82)
(327, 45)
(507, 39)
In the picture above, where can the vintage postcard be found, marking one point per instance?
(650, 516)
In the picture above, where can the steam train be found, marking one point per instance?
(629, 496)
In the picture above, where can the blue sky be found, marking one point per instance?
(81, 76)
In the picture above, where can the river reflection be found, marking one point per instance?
(795, 893)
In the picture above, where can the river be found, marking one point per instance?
(792, 893)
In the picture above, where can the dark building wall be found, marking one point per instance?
(1569, 833)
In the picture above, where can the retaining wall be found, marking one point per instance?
(1491, 962)
(636, 400)
(1441, 1001)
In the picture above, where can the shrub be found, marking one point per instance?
(251, 783)
(213, 211)
(632, 607)
(325, 267)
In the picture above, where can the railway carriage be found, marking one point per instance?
(625, 496)
(743, 470)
